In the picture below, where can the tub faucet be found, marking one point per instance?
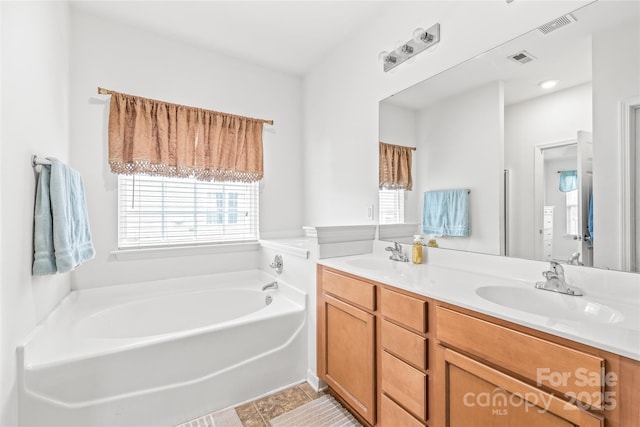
(396, 252)
(272, 285)
(555, 281)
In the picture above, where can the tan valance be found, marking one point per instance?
(395, 167)
(152, 137)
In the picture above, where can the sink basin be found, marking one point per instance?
(369, 263)
(550, 304)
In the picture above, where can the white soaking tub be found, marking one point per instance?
(161, 353)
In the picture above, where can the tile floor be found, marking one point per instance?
(259, 412)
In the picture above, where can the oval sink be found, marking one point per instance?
(550, 304)
(369, 263)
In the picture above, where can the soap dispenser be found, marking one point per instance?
(417, 249)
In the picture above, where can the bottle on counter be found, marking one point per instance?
(432, 243)
(417, 249)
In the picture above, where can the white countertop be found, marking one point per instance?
(459, 286)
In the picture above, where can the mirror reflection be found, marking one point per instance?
(543, 131)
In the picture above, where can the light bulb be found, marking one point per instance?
(417, 34)
(398, 47)
(548, 84)
(382, 56)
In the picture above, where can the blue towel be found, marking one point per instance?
(44, 261)
(591, 218)
(568, 181)
(446, 213)
(67, 225)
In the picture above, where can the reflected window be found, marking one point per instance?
(391, 206)
(572, 212)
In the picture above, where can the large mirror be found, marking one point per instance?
(550, 169)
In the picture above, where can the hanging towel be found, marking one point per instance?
(568, 181)
(44, 261)
(590, 225)
(446, 213)
(68, 221)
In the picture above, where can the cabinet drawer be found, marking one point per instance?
(405, 384)
(392, 415)
(545, 363)
(405, 344)
(349, 289)
(409, 311)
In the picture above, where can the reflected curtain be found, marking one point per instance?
(395, 167)
(152, 137)
(568, 181)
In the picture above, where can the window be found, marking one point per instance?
(572, 212)
(391, 206)
(160, 211)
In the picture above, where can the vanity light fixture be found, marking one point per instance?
(548, 84)
(421, 40)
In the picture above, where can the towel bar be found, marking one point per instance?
(35, 161)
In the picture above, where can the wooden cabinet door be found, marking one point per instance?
(479, 396)
(348, 346)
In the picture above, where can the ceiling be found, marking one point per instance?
(290, 36)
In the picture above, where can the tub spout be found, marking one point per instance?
(272, 285)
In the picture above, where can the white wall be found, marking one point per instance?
(551, 118)
(460, 145)
(612, 84)
(129, 60)
(343, 90)
(35, 120)
(398, 126)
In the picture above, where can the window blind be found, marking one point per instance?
(391, 206)
(162, 211)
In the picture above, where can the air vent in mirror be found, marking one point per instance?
(522, 57)
(557, 23)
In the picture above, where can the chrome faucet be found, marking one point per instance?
(272, 285)
(555, 281)
(574, 259)
(396, 252)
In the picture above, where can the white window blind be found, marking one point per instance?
(160, 211)
(391, 206)
(572, 212)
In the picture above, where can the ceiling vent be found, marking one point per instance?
(522, 57)
(557, 23)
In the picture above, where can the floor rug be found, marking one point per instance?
(224, 418)
(322, 412)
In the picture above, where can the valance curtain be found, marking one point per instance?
(152, 137)
(395, 167)
(568, 181)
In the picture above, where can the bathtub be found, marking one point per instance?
(161, 353)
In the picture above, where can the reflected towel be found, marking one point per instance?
(446, 213)
(68, 222)
(590, 225)
(568, 181)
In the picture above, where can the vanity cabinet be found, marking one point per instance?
(347, 339)
(399, 359)
(403, 359)
(512, 379)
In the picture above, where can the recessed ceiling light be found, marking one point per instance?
(548, 84)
